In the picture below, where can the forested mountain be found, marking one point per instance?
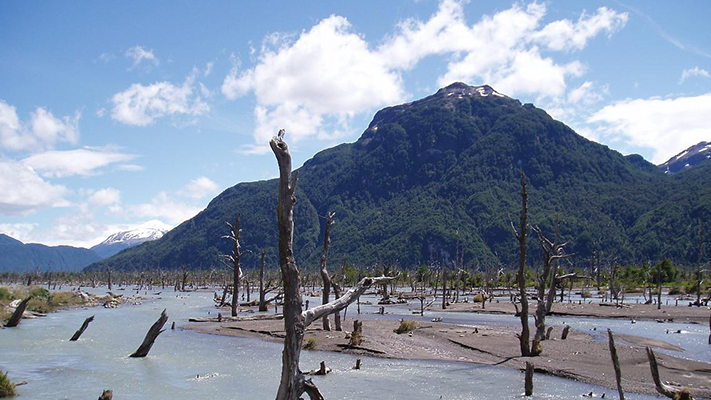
(21, 257)
(446, 169)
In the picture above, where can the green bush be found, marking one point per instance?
(7, 388)
(406, 325)
(310, 344)
(39, 293)
(5, 295)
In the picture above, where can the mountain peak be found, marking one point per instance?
(461, 89)
(688, 158)
(151, 230)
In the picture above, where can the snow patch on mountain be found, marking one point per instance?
(148, 231)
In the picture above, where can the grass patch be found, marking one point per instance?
(406, 325)
(5, 295)
(7, 388)
(310, 344)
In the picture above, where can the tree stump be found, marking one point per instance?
(566, 329)
(357, 334)
(107, 395)
(151, 336)
(81, 330)
(548, 332)
(528, 383)
(357, 364)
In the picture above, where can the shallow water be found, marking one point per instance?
(188, 365)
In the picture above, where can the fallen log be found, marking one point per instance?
(81, 330)
(151, 336)
(17, 315)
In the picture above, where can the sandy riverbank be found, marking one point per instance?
(580, 357)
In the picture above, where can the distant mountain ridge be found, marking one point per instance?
(20, 257)
(152, 230)
(688, 158)
(443, 172)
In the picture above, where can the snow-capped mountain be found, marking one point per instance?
(688, 158)
(151, 230)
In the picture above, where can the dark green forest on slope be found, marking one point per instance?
(443, 170)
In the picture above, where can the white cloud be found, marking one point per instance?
(85, 161)
(22, 191)
(20, 231)
(199, 188)
(666, 126)
(164, 207)
(587, 93)
(208, 68)
(566, 35)
(139, 54)
(314, 83)
(696, 71)
(105, 197)
(130, 167)
(42, 131)
(141, 105)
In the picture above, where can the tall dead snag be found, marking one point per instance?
(262, 291)
(337, 316)
(326, 292)
(699, 278)
(552, 253)
(17, 314)
(151, 336)
(521, 275)
(615, 364)
(81, 330)
(662, 388)
(234, 262)
(293, 382)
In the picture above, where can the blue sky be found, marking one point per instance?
(118, 114)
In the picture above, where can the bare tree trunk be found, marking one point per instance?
(659, 286)
(234, 259)
(108, 271)
(151, 335)
(444, 287)
(107, 395)
(528, 385)
(357, 334)
(615, 364)
(337, 315)
(293, 383)
(262, 293)
(326, 292)
(521, 275)
(81, 330)
(699, 279)
(17, 314)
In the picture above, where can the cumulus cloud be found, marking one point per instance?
(22, 191)
(42, 131)
(19, 231)
(164, 207)
(85, 161)
(314, 82)
(105, 197)
(199, 188)
(666, 126)
(139, 55)
(141, 105)
(696, 71)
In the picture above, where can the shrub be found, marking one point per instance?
(5, 295)
(7, 388)
(406, 325)
(676, 290)
(310, 344)
(585, 294)
(39, 293)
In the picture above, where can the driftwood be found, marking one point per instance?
(528, 383)
(81, 330)
(107, 395)
(17, 315)
(322, 370)
(615, 364)
(662, 388)
(151, 336)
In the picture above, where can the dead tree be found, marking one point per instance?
(81, 330)
(357, 334)
(326, 292)
(337, 315)
(107, 395)
(293, 383)
(663, 388)
(699, 278)
(615, 364)
(552, 253)
(233, 262)
(262, 291)
(108, 273)
(520, 235)
(17, 314)
(151, 335)
(528, 382)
